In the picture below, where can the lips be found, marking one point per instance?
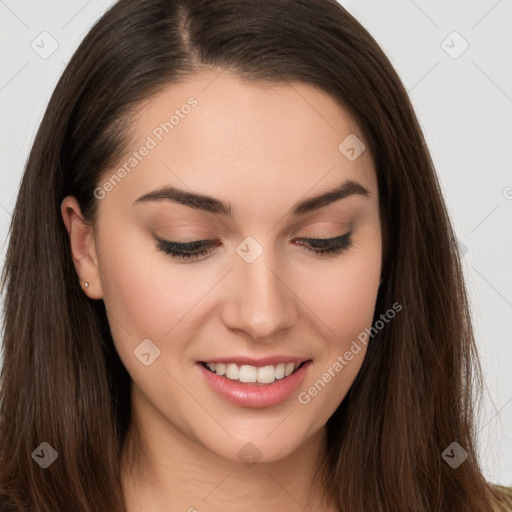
(264, 383)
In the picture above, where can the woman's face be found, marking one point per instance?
(257, 296)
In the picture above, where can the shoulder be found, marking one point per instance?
(504, 495)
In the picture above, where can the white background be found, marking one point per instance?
(464, 105)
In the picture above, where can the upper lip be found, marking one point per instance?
(257, 362)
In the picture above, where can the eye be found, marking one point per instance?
(198, 248)
(328, 246)
(183, 251)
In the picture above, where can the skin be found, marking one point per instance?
(260, 147)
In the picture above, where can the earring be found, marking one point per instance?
(86, 285)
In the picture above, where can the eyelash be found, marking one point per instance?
(186, 251)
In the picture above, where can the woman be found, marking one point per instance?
(232, 282)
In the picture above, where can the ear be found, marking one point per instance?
(83, 247)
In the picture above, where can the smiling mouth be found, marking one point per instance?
(251, 374)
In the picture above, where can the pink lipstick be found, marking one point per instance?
(255, 394)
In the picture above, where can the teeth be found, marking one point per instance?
(247, 373)
(232, 371)
(267, 374)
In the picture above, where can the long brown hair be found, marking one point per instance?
(62, 381)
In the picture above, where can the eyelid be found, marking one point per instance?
(197, 243)
(325, 239)
(192, 251)
(187, 245)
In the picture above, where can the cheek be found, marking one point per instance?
(143, 300)
(342, 299)
(343, 306)
(343, 294)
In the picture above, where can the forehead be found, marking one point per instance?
(218, 134)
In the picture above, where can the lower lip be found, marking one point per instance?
(255, 395)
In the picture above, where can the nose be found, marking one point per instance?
(260, 301)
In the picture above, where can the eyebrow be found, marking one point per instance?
(216, 206)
